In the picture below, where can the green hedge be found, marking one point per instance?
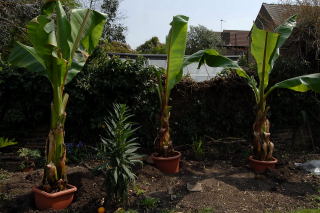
(221, 107)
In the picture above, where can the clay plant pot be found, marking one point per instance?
(168, 165)
(261, 166)
(57, 200)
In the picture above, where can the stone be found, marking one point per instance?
(197, 187)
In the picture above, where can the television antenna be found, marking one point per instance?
(221, 23)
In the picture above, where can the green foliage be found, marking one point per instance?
(104, 81)
(138, 191)
(29, 156)
(60, 47)
(149, 203)
(116, 47)
(176, 46)
(119, 152)
(200, 37)
(114, 30)
(4, 142)
(198, 148)
(4, 175)
(152, 46)
(29, 153)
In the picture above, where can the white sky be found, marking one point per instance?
(147, 18)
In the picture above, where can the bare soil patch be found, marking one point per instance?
(225, 188)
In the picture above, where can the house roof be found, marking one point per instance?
(235, 38)
(272, 15)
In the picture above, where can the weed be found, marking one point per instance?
(198, 148)
(149, 202)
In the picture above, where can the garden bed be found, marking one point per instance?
(225, 188)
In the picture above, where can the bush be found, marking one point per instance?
(119, 152)
(104, 81)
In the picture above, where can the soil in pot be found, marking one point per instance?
(168, 165)
(56, 200)
(261, 166)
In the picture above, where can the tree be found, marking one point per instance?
(152, 46)
(116, 47)
(15, 15)
(200, 37)
(113, 29)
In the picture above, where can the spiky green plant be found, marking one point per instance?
(61, 46)
(119, 152)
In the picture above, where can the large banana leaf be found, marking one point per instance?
(263, 45)
(86, 28)
(285, 31)
(56, 42)
(210, 57)
(63, 31)
(176, 46)
(26, 57)
(300, 83)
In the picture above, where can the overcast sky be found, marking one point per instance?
(147, 18)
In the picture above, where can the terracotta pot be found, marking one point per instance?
(168, 165)
(261, 166)
(57, 200)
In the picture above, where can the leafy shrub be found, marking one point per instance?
(118, 151)
(104, 81)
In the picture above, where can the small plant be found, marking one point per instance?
(138, 191)
(4, 142)
(149, 203)
(4, 174)
(198, 148)
(29, 157)
(118, 150)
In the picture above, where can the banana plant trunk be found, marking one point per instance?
(164, 143)
(55, 177)
(262, 146)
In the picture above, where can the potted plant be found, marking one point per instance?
(265, 48)
(165, 157)
(61, 45)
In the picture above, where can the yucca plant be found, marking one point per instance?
(265, 48)
(119, 152)
(176, 46)
(61, 46)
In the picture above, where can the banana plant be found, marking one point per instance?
(176, 46)
(61, 44)
(265, 48)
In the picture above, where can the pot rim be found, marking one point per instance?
(178, 155)
(55, 194)
(273, 161)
